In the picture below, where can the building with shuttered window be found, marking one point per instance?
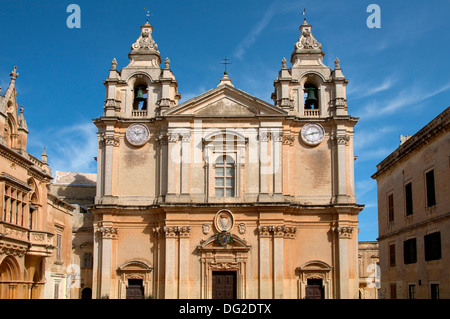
(413, 214)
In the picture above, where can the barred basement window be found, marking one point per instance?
(393, 291)
(412, 291)
(434, 291)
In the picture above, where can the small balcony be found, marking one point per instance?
(139, 113)
(41, 243)
(311, 113)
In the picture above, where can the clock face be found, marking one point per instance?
(312, 134)
(137, 134)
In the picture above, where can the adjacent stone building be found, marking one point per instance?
(78, 189)
(35, 226)
(369, 269)
(413, 214)
(225, 195)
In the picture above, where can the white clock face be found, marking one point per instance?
(137, 134)
(312, 134)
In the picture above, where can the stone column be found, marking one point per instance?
(170, 262)
(173, 157)
(107, 234)
(264, 163)
(183, 263)
(163, 167)
(277, 162)
(100, 167)
(109, 142)
(340, 140)
(185, 162)
(278, 262)
(343, 286)
(264, 263)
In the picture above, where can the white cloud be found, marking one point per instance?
(406, 97)
(251, 37)
(369, 137)
(356, 92)
(72, 148)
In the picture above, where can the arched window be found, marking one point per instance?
(224, 177)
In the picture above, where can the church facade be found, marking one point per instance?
(225, 195)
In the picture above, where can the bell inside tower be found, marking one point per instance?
(310, 95)
(140, 98)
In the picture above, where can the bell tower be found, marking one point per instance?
(136, 97)
(310, 88)
(314, 94)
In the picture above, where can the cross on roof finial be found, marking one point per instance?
(226, 63)
(14, 74)
(147, 14)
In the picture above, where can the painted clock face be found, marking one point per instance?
(312, 134)
(137, 134)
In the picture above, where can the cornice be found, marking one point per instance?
(437, 125)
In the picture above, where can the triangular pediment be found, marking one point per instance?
(225, 101)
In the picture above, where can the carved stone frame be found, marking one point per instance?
(135, 269)
(314, 269)
(224, 258)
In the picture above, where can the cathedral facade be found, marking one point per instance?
(225, 195)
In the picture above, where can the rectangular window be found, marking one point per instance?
(393, 288)
(433, 246)
(431, 192)
(412, 291)
(410, 251)
(392, 255)
(408, 199)
(391, 207)
(56, 296)
(58, 247)
(434, 291)
(87, 260)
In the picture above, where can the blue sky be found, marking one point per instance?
(398, 74)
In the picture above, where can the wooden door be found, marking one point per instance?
(135, 289)
(224, 285)
(314, 289)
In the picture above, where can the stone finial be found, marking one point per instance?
(114, 64)
(225, 80)
(307, 40)
(337, 63)
(14, 74)
(167, 63)
(284, 63)
(145, 40)
(44, 156)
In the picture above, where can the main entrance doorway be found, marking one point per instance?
(314, 289)
(135, 289)
(223, 284)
